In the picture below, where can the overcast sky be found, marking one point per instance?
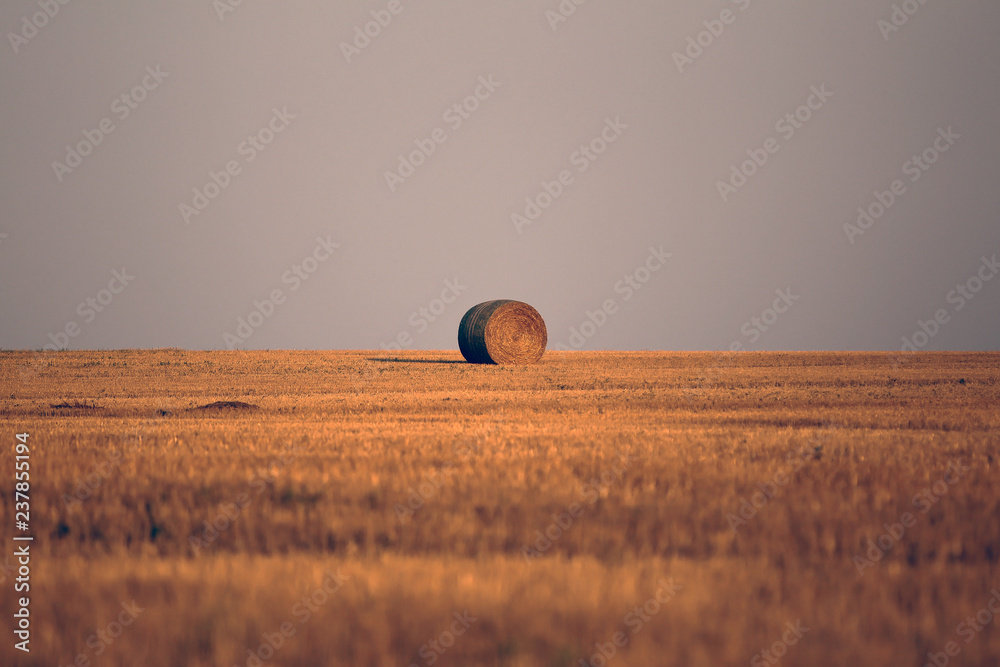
(167, 169)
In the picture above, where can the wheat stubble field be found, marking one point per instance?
(373, 508)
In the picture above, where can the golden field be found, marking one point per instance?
(374, 508)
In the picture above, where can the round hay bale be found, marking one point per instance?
(502, 332)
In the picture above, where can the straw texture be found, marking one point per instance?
(502, 332)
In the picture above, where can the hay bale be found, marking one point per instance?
(502, 332)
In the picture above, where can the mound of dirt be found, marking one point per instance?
(75, 405)
(228, 405)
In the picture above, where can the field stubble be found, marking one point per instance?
(552, 503)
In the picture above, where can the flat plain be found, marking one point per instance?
(599, 508)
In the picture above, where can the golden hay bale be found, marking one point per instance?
(502, 332)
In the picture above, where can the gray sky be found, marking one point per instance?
(651, 241)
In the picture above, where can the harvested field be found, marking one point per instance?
(408, 508)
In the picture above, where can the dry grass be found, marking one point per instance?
(424, 481)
